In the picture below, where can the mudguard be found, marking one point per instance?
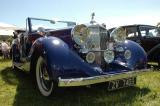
(138, 58)
(60, 59)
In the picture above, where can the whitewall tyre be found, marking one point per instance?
(45, 85)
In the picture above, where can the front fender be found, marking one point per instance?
(61, 60)
(138, 58)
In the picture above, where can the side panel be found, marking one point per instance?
(149, 42)
(153, 54)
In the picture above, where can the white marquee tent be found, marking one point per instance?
(7, 29)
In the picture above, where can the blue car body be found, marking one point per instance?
(67, 66)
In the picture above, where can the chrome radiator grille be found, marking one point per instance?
(98, 40)
(103, 44)
(103, 38)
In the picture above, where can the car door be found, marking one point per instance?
(149, 38)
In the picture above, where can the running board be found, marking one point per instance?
(22, 65)
(18, 64)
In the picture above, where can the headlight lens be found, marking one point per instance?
(127, 54)
(90, 57)
(119, 34)
(80, 34)
(108, 56)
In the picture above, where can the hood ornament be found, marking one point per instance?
(92, 18)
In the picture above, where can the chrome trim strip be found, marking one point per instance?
(99, 79)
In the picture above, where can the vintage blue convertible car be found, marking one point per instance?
(76, 55)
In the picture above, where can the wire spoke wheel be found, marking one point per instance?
(45, 85)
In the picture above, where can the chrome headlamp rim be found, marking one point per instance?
(80, 34)
(90, 57)
(109, 56)
(118, 35)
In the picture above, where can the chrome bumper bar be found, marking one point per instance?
(99, 79)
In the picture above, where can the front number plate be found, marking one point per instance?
(117, 84)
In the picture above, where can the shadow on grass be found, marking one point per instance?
(27, 94)
(4, 60)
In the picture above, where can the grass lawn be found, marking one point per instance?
(17, 88)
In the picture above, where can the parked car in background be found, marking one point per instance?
(0, 49)
(77, 55)
(147, 36)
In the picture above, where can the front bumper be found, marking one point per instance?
(99, 79)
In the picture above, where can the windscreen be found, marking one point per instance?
(49, 24)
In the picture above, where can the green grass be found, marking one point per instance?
(17, 88)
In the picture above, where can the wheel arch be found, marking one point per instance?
(45, 47)
(153, 54)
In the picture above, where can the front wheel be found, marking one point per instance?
(45, 85)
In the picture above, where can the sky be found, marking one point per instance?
(111, 12)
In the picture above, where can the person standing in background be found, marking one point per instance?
(5, 49)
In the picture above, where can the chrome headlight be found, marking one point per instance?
(119, 34)
(80, 33)
(108, 56)
(90, 57)
(127, 54)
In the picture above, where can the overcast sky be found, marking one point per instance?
(111, 12)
